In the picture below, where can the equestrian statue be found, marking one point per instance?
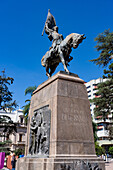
(60, 49)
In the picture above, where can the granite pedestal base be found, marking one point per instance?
(71, 143)
(76, 163)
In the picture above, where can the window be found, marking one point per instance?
(20, 137)
(100, 124)
(94, 84)
(21, 120)
(89, 96)
(100, 129)
(88, 87)
(103, 138)
(7, 138)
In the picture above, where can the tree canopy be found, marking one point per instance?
(7, 126)
(104, 99)
(104, 94)
(26, 107)
(94, 130)
(5, 147)
(6, 96)
(105, 47)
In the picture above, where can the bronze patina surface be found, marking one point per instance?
(60, 49)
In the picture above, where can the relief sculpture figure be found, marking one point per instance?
(39, 134)
(34, 133)
(60, 49)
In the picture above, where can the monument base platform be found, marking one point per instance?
(64, 163)
(59, 131)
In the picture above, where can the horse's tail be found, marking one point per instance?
(44, 59)
(43, 64)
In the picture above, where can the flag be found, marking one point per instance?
(49, 24)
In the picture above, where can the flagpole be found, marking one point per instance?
(45, 22)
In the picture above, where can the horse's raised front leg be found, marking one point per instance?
(63, 61)
(47, 71)
(53, 68)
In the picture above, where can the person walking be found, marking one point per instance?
(13, 161)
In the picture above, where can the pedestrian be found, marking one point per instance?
(13, 161)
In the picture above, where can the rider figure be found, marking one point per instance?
(57, 38)
(52, 30)
(56, 50)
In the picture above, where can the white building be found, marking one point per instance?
(102, 133)
(91, 90)
(18, 138)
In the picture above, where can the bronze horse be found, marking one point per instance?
(61, 53)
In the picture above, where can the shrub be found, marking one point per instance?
(111, 150)
(99, 150)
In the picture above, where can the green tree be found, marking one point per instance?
(111, 151)
(7, 126)
(94, 131)
(6, 95)
(19, 151)
(109, 76)
(109, 73)
(5, 147)
(26, 107)
(99, 150)
(104, 96)
(104, 99)
(105, 47)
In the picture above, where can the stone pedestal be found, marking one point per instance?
(71, 143)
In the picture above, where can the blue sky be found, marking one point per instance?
(22, 46)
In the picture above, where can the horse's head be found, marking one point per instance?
(77, 39)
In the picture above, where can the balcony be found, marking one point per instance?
(21, 142)
(22, 125)
(103, 133)
(101, 120)
(105, 142)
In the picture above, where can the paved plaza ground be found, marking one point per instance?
(109, 165)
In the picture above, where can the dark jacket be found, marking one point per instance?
(13, 162)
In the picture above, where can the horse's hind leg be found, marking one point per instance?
(63, 61)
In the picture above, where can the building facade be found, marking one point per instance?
(17, 138)
(102, 126)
